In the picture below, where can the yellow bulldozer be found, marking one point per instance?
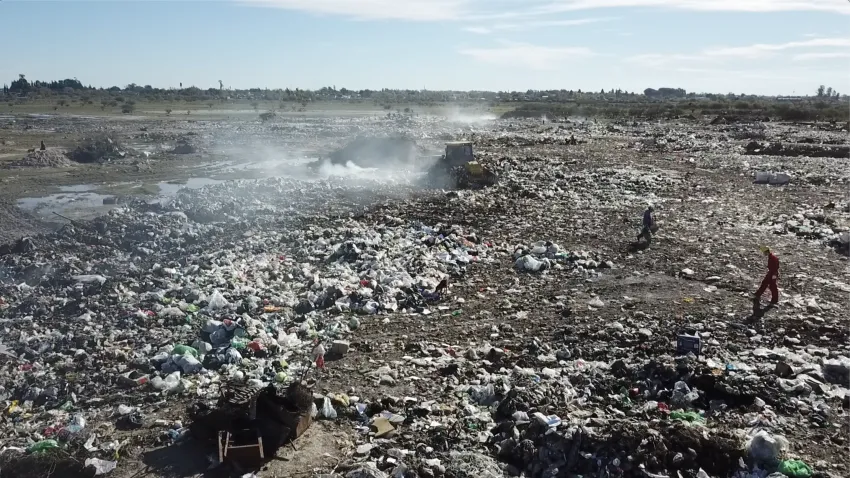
(457, 168)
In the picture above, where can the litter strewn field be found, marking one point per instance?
(517, 330)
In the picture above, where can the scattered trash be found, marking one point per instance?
(440, 329)
(795, 469)
(101, 467)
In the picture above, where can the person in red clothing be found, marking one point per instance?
(769, 279)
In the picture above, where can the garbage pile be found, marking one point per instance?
(97, 149)
(512, 331)
(49, 158)
(184, 146)
(151, 303)
(810, 150)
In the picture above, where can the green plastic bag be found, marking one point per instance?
(686, 416)
(795, 469)
(238, 343)
(43, 445)
(183, 350)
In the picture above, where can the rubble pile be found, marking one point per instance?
(184, 146)
(517, 330)
(49, 158)
(97, 150)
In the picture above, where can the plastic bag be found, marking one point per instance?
(43, 445)
(686, 416)
(327, 411)
(217, 301)
(483, 394)
(170, 383)
(188, 363)
(795, 469)
(530, 264)
(766, 448)
(183, 350)
(101, 467)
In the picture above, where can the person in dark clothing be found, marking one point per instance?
(648, 222)
(769, 281)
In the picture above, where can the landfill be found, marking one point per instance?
(517, 330)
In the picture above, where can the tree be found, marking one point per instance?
(21, 85)
(210, 105)
(255, 105)
(821, 90)
(220, 85)
(128, 108)
(829, 92)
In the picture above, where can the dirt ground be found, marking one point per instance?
(713, 221)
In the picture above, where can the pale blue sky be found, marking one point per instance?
(741, 46)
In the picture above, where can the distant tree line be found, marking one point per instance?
(22, 86)
(665, 93)
(824, 92)
(660, 102)
(754, 110)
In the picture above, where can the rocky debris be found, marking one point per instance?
(97, 149)
(50, 158)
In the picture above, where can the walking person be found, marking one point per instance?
(648, 222)
(769, 281)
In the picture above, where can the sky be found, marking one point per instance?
(771, 47)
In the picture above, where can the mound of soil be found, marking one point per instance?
(50, 158)
(97, 150)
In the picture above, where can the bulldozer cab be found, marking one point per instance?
(459, 153)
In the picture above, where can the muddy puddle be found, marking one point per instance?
(170, 188)
(86, 201)
(77, 203)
